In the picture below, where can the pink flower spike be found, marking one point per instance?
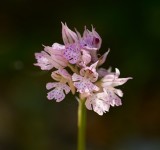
(58, 92)
(72, 53)
(68, 35)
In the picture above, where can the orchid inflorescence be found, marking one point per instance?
(76, 68)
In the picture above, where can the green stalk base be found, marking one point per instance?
(81, 124)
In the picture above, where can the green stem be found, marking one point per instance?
(81, 124)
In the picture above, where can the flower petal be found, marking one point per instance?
(103, 72)
(68, 35)
(102, 59)
(72, 53)
(100, 107)
(88, 103)
(56, 54)
(111, 79)
(113, 98)
(120, 81)
(98, 102)
(57, 46)
(118, 92)
(86, 58)
(58, 92)
(61, 73)
(91, 40)
(51, 85)
(90, 72)
(44, 61)
(76, 77)
(83, 84)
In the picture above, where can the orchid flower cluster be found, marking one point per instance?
(76, 68)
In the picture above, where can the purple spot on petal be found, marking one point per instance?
(96, 40)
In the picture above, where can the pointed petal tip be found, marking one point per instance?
(64, 25)
(117, 71)
(103, 58)
(92, 27)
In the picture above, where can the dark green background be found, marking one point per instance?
(28, 121)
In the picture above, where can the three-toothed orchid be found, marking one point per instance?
(77, 70)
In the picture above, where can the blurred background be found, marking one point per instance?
(28, 121)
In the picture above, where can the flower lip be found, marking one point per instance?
(58, 91)
(83, 84)
(72, 53)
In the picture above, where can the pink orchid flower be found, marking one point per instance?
(75, 67)
(101, 101)
(51, 57)
(83, 82)
(64, 85)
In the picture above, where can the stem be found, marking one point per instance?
(73, 68)
(81, 124)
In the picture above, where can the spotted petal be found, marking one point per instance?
(58, 92)
(114, 100)
(83, 84)
(45, 62)
(65, 77)
(98, 103)
(72, 53)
